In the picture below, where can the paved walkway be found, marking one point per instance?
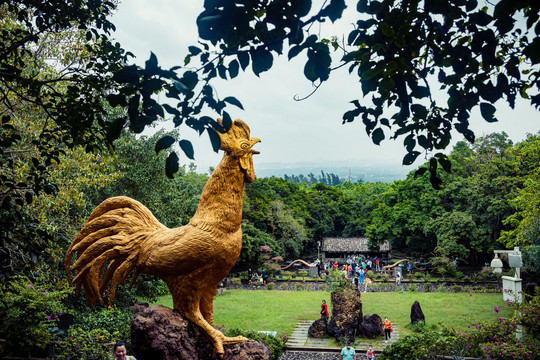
(299, 339)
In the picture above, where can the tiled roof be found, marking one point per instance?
(351, 245)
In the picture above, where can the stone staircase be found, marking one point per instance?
(299, 339)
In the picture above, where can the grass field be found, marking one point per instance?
(280, 310)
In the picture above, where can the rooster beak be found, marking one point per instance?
(253, 141)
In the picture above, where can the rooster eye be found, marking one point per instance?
(244, 145)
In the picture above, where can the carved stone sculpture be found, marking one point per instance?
(191, 259)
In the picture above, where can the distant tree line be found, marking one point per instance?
(330, 179)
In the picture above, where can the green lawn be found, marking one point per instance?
(280, 310)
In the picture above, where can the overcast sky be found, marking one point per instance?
(308, 131)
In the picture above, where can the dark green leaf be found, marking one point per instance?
(262, 60)
(171, 165)
(445, 163)
(193, 50)
(227, 121)
(419, 172)
(377, 136)
(233, 101)
(187, 148)
(233, 69)
(151, 65)
(488, 111)
(164, 143)
(243, 58)
(334, 10)
(410, 157)
(128, 74)
(214, 139)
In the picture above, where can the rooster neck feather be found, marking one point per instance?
(221, 199)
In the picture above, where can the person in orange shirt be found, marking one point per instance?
(387, 329)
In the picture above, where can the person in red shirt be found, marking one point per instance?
(324, 310)
(387, 329)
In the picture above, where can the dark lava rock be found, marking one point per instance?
(371, 326)
(416, 313)
(159, 333)
(318, 328)
(346, 314)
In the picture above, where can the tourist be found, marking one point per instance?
(361, 276)
(263, 274)
(119, 352)
(250, 275)
(387, 329)
(377, 268)
(398, 278)
(324, 310)
(368, 282)
(348, 352)
(370, 354)
(410, 267)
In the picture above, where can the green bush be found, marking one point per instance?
(323, 287)
(303, 273)
(275, 344)
(427, 287)
(112, 321)
(85, 344)
(459, 275)
(28, 310)
(284, 286)
(412, 288)
(299, 286)
(457, 288)
(442, 288)
(270, 285)
(288, 274)
(236, 281)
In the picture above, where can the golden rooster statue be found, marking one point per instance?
(192, 259)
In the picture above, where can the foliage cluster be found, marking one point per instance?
(29, 312)
(85, 344)
(493, 339)
(275, 343)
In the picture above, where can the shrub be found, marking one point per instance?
(459, 275)
(309, 287)
(457, 288)
(84, 344)
(288, 273)
(467, 288)
(270, 286)
(275, 344)
(427, 287)
(412, 288)
(284, 286)
(442, 288)
(112, 321)
(28, 310)
(323, 287)
(490, 286)
(303, 273)
(236, 281)
(385, 277)
(299, 286)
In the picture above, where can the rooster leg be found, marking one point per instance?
(207, 304)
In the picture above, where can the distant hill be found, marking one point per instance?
(354, 173)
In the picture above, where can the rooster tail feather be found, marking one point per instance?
(114, 232)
